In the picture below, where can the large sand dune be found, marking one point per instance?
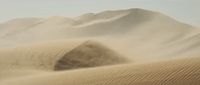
(59, 55)
(92, 55)
(55, 56)
(125, 47)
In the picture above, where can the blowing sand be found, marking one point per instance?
(124, 47)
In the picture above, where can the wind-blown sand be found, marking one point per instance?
(124, 47)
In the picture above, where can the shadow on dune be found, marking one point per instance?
(88, 54)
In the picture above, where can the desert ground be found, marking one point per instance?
(115, 47)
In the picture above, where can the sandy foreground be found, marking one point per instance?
(121, 47)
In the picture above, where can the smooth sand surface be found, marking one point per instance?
(121, 47)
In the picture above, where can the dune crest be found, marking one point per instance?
(60, 55)
(89, 54)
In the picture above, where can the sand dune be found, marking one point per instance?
(125, 47)
(174, 72)
(114, 22)
(89, 54)
(59, 55)
(130, 30)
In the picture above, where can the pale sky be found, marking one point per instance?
(183, 10)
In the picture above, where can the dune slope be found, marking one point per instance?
(174, 72)
(89, 54)
(55, 56)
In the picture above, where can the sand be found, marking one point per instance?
(173, 72)
(116, 47)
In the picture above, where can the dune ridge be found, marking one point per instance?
(60, 55)
(89, 54)
(55, 56)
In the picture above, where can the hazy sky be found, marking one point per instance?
(183, 10)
